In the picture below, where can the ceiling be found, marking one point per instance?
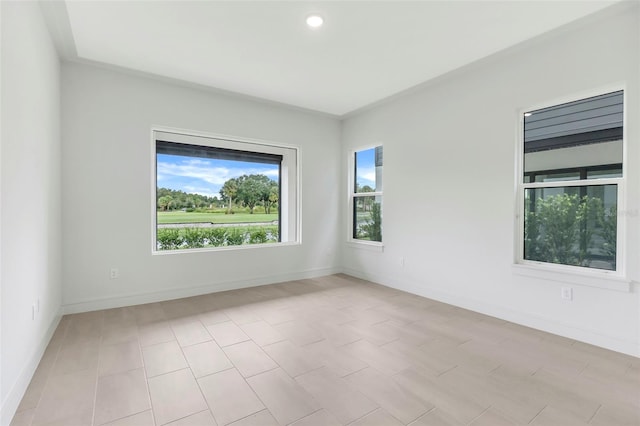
(366, 51)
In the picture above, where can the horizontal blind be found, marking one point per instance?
(188, 150)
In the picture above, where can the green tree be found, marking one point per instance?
(558, 216)
(165, 202)
(373, 229)
(229, 192)
(272, 198)
(181, 199)
(561, 229)
(608, 222)
(253, 189)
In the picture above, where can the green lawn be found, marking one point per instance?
(194, 217)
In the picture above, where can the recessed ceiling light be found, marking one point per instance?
(315, 21)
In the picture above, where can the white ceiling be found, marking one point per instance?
(365, 52)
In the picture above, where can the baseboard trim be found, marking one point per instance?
(526, 319)
(15, 394)
(160, 296)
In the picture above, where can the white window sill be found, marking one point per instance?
(366, 245)
(225, 248)
(590, 278)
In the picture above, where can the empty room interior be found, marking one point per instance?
(310, 213)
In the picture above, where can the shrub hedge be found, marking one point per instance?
(194, 237)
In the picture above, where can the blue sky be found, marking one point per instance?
(205, 176)
(366, 170)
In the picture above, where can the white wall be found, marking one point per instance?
(30, 261)
(107, 187)
(449, 172)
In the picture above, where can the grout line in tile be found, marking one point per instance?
(378, 407)
(594, 414)
(479, 415)
(184, 417)
(95, 386)
(257, 374)
(537, 415)
(302, 418)
(446, 371)
(146, 382)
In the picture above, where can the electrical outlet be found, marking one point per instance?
(402, 261)
(114, 273)
(566, 293)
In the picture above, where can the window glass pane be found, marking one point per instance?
(572, 225)
(368, 170)
(209, 197)
(613, 172)
(574, 135)
(553, 177)
(367, 217)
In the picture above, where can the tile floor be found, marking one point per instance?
(329, 351)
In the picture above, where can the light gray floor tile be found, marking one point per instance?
(119, 357)
(286, 400)
(292, 358)
(249, 359)
(121, 395)
(206, 358)
(336, 395)
(395, 399)
(163, 358)
(227, 333)
(175, 395)
(229, 396)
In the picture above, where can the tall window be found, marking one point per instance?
(366, 196)
(220, 193)
(572, 182)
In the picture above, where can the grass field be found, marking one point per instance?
(194, 217)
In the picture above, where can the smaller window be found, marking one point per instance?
(366, 195)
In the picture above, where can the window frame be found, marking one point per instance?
(611, 279)
(352, 195)
(290, 192)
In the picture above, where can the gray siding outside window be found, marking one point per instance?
(592, 120)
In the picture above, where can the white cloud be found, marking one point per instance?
(367, 175)
(207, 192)
(195, 169)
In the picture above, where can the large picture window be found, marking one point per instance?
(366, 195)
(212, 193)
(572, 183)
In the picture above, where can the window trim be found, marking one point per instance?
(292, 154)
(613, 280)
(352, 194)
